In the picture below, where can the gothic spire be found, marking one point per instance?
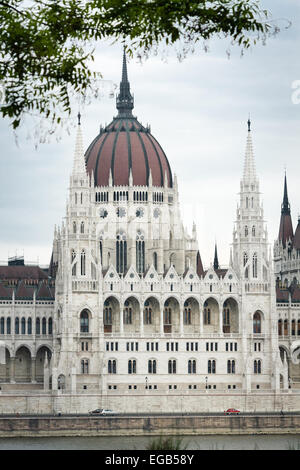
(216, 261)
(285, 206)
(286, 226)
(124, 98)
(249, 163)
(79, 160)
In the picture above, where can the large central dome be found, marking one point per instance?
(126, 146)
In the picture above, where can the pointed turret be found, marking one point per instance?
(249, 163)
(216, 261)
(286, 227)
(79, 160)
(124, 98)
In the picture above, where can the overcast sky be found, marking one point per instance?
(198, 111)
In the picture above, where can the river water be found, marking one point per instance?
(216, 442)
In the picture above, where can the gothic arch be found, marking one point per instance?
(111, 314)
(131, 314)
(191, 315)
(211, 315)
(230, 316)
(151, 314)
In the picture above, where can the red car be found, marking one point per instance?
(232, 411)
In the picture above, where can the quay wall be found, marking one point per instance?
(151, 425)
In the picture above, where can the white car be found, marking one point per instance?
(101, 411)
(108, 412)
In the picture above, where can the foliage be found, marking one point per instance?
(166, 443)
(47, 46)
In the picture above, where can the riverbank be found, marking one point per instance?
(53, 426)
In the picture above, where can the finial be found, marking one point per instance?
(124, 98)
(249, 124)
(79, 117)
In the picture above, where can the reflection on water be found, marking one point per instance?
(229, 442)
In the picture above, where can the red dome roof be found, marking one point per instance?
(126, 145)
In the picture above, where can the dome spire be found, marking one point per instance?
(124, 98)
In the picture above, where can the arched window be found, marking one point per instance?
(112, 366)
(293, 329)
(140, 252)
(101, 250)
(44, 326)
(155, 260)
(246, 231)
(82, 227)
(192, 366)
(17, 326)
(253, 231)
(127, 313)
(2, 326)
(8, 326)
(37, 326)
(147, 314)
(280, 327)
(231, 366)
(73, 256)
(206, 313)
(50, 330)
(211, 366)
(132, 366)
(167, 314)
(121, 253)
(254, 265)
(257, 366)
(84, 366)
(74, 227)
(187, 316)
(285, 328)
(172, 366)
(82, 263)
(226, 315)
(29, 326)
(23, 326)
(107, 315)
(152, 366)
(257, 322)
(84, 322)
(245, 258)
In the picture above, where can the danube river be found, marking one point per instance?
(229, 442)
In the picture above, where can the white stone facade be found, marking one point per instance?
(134, 312)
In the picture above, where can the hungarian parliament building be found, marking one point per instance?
(126, 308)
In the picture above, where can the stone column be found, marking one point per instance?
(181, 320)
(221, 320)
(12, 370)
(142, 320)
(33, 370)
(121, 320)
(162, 322)
(201, 320)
